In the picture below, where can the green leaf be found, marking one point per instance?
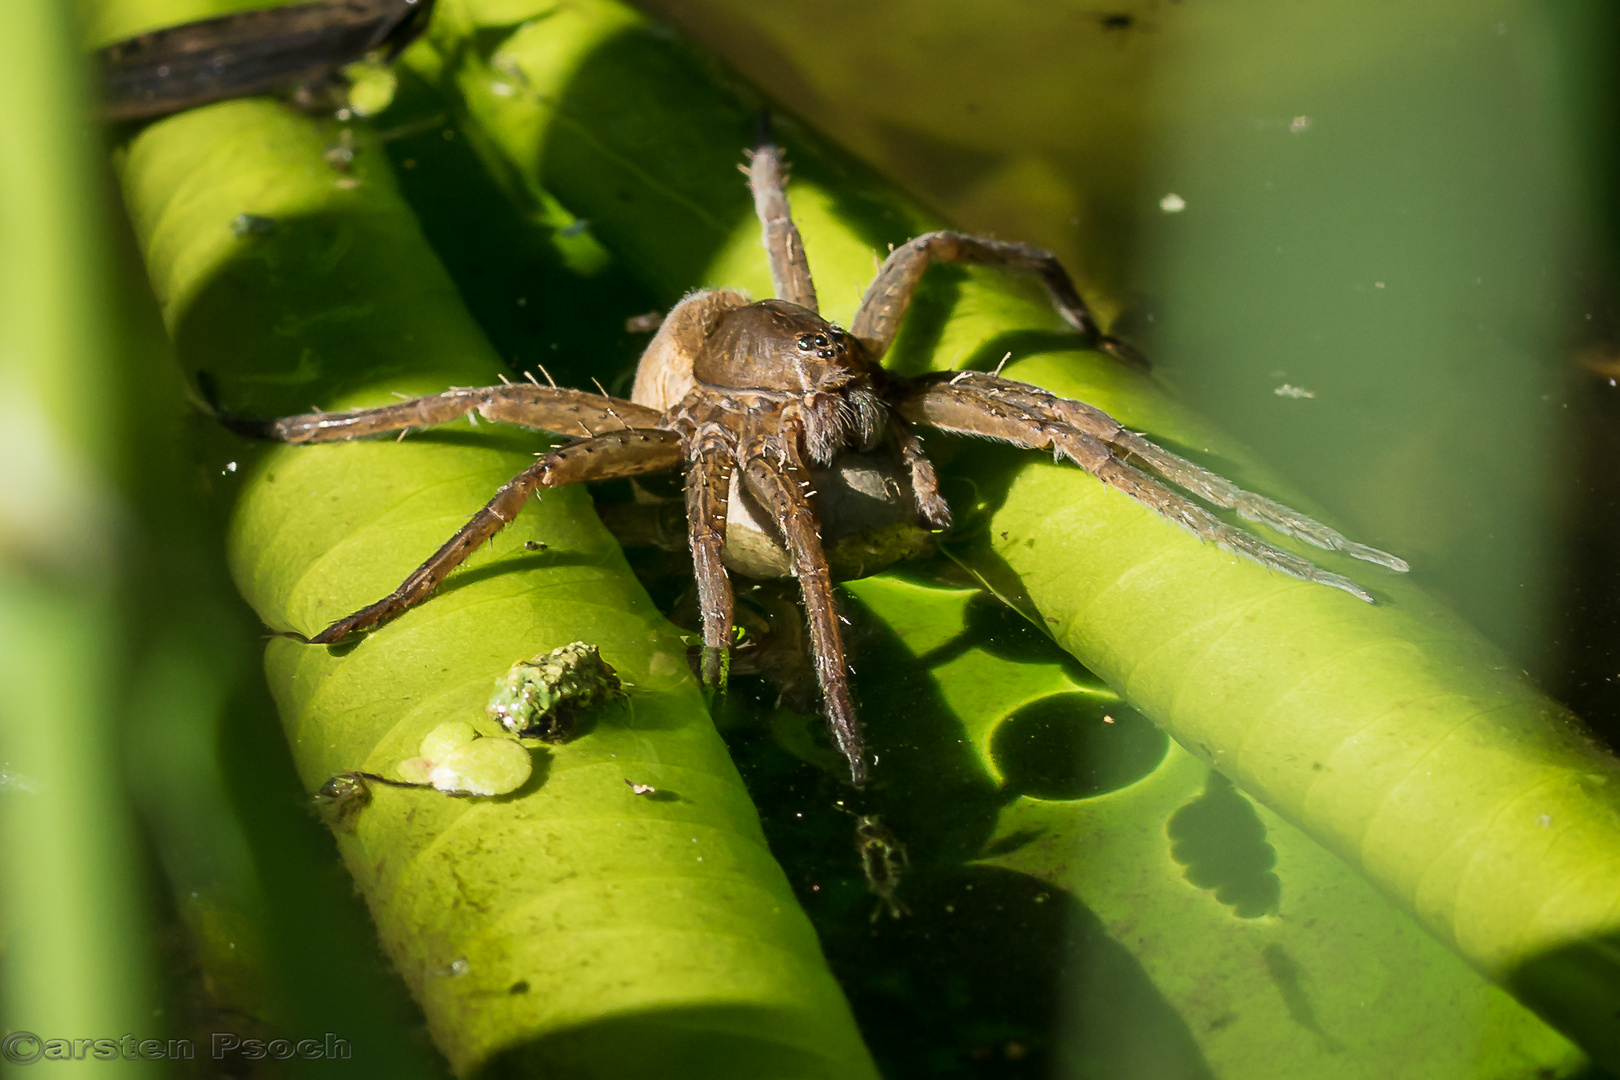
(1278, 959)
(1392, 734)
(572, 924)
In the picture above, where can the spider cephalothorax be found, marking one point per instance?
(761, 401)
(786, 365)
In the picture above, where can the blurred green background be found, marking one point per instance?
(1386, 267)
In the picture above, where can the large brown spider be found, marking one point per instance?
(755, 399)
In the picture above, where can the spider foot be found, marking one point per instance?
(714, 669)
(208, 398)
(1124, 352)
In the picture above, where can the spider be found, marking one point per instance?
(758, 400)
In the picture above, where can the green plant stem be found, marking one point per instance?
(74, 963)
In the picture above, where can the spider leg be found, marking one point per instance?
(1027, 416)
(605, 457)
(708, 491)
(1222, 492)
(778, 489)
(935, 511)
(890, 293)
(790, 271)
(566, 412)
(1210, 487)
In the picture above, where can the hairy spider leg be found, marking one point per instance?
(708, 498)
(1249, 506)
(564, 412)
(889, 295)
(1210, 487)
(935, 511)
(790, 270)
(778, 487)
(970, 409)
(605, 457)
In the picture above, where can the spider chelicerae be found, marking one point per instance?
(758, 401)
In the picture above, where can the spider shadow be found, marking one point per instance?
(522, 281)
(510, 564)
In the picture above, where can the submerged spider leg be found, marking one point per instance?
(931, 505)
(777, 487)
(1249, 506)
(565, 412)
(790, 270)
(708, 496)
(956, 408)
(890, 293)
(1210, 487)
(605, 457)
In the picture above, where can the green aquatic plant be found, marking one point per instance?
(528, 901)
(1393, 734)
(586, 921)
(455, 758)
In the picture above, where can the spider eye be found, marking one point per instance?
(826, 344)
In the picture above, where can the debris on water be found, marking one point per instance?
(540, 698)
(253, 225)
(341, 155)
(455, 969)
(456, 760)
(14, 781)
(883, 860)
(1285, 390)
(1172, 203)
(342, 797)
